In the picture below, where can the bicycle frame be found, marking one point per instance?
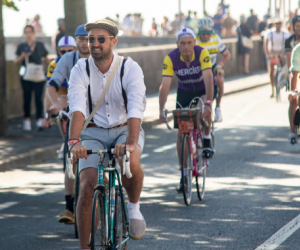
(109, 202)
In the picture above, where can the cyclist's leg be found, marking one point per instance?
(134, 185)
(292, 110)
(88, 173)
(208, 151)
(220, 83)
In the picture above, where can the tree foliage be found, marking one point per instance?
(10, 4)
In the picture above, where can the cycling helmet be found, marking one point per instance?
(205, 25)
(295, 19)
(67, 41)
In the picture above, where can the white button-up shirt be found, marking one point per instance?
(112, 110)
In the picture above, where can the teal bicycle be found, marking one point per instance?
(110, 224)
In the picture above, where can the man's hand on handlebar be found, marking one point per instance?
(78, 151)
(119, 149)
(56, 107)
(162, 115)
(207, 113)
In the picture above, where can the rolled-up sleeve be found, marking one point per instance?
(60, 73)
(296, 59)
(136, 91)
(77, 92)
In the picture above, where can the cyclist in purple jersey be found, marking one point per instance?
(192, 66)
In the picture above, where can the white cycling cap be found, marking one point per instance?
(67, 41)
(186, 32)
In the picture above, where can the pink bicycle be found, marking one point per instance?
(193, 164)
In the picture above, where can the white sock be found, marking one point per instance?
(207, 136)
(134, 211)
(185, 172)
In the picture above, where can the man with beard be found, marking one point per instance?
(55, 89)
(117, 121)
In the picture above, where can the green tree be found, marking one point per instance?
(75, 15)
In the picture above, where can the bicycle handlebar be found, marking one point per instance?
(62, 113)
(126, 162)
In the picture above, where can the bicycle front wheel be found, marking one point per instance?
(200, 179)
(120, 230)
(97, 237)
(76, 195)
(186, 169)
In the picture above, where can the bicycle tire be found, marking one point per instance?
(120, 230)
(277, 87)
(97, 237)
(200, 180)
(186, 180)
(76, 195)
(296, 133)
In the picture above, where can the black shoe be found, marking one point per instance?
(293, 139)
(208, 151)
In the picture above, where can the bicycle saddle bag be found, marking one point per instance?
(186, 120)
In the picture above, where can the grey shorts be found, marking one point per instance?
(109, 137)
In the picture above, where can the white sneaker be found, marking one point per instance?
(27, 125)
(218, 115)
(39, 124)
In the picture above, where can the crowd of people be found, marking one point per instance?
(87, 61)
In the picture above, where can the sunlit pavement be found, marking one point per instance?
(252, 188)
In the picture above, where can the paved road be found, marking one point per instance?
(252, 189)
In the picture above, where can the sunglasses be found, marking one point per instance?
(101, 39)
(65, 51)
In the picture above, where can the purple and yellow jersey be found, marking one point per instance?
(190, 79)
(51, 68)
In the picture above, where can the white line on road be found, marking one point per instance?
(281, 235)
(144, 156)
(8, 204)
(164, 148)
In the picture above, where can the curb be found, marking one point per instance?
(49, 152)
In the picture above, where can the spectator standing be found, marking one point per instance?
(153, 31)
(263, 24)
(37, 26)
(228, 25)
(33, 52)
(165, 26)
(223, 7)
(244, 30)
(126, 25)
(59, 34)
(218, 20)
(252, 21)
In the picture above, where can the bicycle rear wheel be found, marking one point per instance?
(97, 237)
(186, 173)
(120, 230)
(200, 179)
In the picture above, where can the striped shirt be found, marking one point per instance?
(214, 45)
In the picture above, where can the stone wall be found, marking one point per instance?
(150, 58)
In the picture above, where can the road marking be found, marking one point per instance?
(8, 204)
(281, 235)
(164, 148)
(144, 156)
